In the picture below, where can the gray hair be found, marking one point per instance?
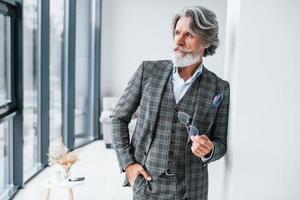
(204, 24)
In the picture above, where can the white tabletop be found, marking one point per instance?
(51, 183)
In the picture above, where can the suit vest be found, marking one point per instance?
(167, 150)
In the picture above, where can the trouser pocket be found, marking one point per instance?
(139, 183)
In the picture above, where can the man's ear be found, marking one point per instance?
(205, 46)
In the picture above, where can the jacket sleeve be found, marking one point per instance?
(121, 117)
(219, 129)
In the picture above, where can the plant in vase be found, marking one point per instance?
(65, 159)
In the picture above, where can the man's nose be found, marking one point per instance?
(179, 40)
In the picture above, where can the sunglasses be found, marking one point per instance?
(184, 118)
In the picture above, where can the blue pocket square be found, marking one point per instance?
(217, 100)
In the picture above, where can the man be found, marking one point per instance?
(183, 116)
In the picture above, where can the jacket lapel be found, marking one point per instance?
(158, 84)
(205, 97)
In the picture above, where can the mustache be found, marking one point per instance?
(176, 47)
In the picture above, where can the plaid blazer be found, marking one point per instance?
(145, 90)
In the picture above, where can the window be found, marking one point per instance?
(31, 148)
(84, 71)
(5, 156)
(7, 102)
(5, 86)
(48, 92)
(57, 18)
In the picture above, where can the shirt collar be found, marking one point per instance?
(195, 75)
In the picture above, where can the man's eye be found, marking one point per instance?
(189, 35)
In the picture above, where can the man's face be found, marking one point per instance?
(185, 38)
(189, 48)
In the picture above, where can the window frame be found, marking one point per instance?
(11, 111)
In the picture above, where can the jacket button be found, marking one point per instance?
(170, 163)
(176, 109)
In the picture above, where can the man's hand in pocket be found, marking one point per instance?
(134, 170)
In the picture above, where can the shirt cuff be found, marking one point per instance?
(204, 159)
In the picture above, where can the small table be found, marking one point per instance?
(50, 183)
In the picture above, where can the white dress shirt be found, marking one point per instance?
(180, 87)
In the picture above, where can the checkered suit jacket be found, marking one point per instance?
(145, 90)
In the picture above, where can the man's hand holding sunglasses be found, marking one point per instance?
(202, 146)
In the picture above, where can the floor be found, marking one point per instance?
(98, 165)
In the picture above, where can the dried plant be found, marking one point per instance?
(64, 158)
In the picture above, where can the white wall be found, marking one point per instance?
(263, 160)
(137, 30)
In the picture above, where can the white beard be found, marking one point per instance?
(186, 60)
